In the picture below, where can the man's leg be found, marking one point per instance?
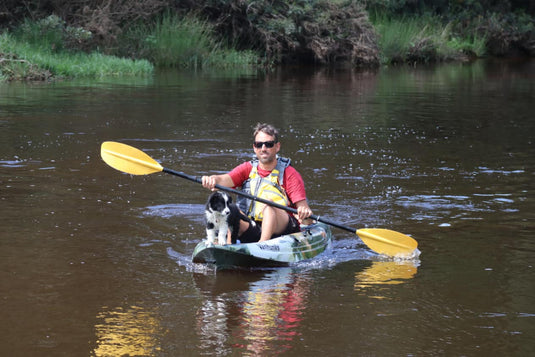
(274, 221)
(248, 232)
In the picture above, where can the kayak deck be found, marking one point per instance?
(276, 252)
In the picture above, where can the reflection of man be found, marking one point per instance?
(271, 178)
(263, 318)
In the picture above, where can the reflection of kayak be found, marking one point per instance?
(281, 251)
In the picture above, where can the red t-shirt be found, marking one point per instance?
(293, 183)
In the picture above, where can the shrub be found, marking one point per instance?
(52, 32)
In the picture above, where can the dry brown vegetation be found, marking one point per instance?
(15, 68)
(321, 33)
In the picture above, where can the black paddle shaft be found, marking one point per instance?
(258, 199)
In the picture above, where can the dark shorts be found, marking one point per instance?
(252, 234)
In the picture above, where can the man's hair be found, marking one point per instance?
(267, 129)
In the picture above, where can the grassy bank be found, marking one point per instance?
(48, 49)
(23, 60)
(187, 42)
(317, 32)
(422, 40)
(40, 51)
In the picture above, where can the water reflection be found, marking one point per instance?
(251, 312)
(372, 281)
(127, 332)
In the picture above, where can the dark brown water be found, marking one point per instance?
(97, 263)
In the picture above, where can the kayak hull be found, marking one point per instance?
(277, 252)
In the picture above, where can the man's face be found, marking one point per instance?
(264, 154)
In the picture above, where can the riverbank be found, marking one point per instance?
(43, 50)
(26, 61)
(239, 34)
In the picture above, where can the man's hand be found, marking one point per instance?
(303, 212)
(209, 182)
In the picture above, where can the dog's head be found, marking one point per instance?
(219, 202)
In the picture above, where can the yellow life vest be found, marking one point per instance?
(269, 188)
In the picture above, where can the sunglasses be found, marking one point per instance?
(269, 144)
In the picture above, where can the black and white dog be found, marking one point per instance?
(222, 215)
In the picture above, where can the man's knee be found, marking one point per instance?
(280, 218)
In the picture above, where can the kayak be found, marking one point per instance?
(277, 252)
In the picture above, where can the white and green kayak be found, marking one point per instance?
(276, 252)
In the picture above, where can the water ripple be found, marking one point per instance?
(12, 163)
(190, 211)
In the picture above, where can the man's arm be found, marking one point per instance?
(295, 188)
(211, 181)
(232, 179)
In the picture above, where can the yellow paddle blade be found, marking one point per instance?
(128, 159)
(385, 241)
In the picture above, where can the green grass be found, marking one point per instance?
(27, 58)
(183, 42)
(422, 39)
(474, 45)
(93, 65)
(41, 50)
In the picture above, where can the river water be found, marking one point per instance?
(94, 262)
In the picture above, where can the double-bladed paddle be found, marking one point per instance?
(133, 161)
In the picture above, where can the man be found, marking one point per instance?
(270, 178)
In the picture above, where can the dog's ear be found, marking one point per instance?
(229, 199)
(211, 200)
